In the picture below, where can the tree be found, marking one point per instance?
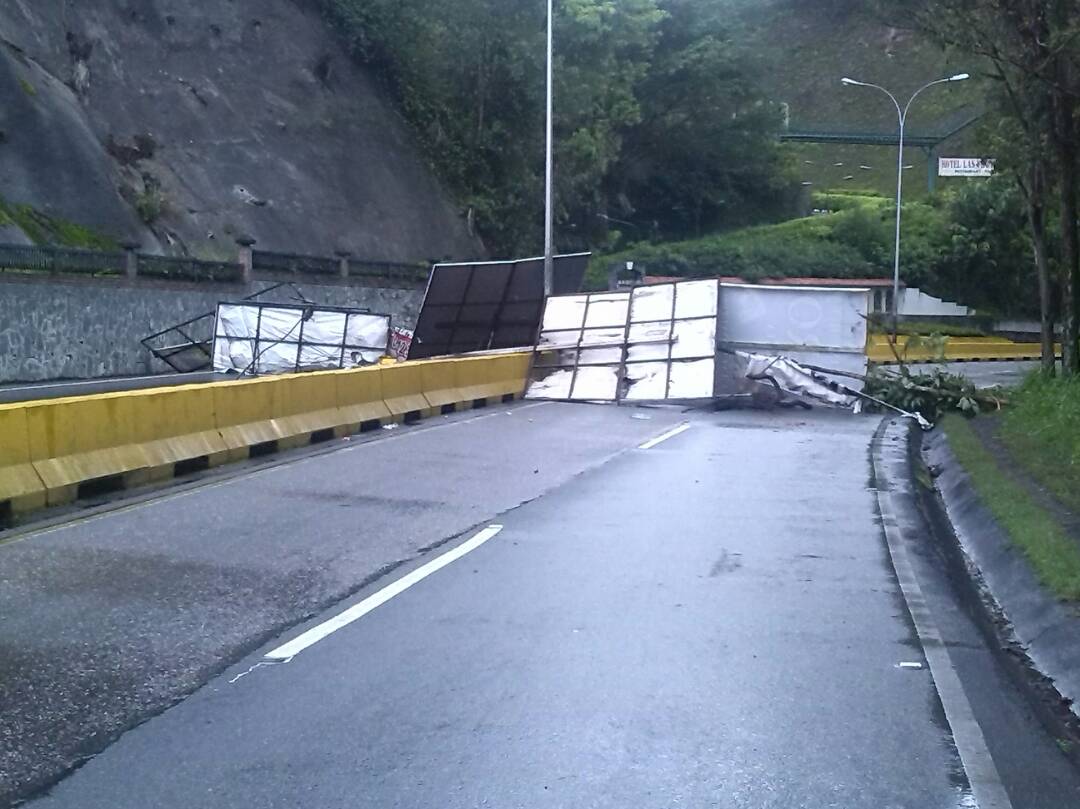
(704, 154)
(1031, 47)
(658, 116)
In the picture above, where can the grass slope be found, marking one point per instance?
(1042, 431)
(1053, 554)
(852, 240)
(806, 46)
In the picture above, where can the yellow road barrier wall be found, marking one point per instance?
(49, 447)
(20, 483)
(403, 386)
(956, 349)
(360, 396)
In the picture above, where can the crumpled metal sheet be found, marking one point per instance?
(791, 378)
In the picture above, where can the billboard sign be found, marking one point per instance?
(965, 167)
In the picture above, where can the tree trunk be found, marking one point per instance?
(1065, 144)
(1036, 194)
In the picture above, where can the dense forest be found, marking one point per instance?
(663, 128)
(667, 121)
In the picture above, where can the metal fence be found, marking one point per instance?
(61, 260)
(69, 261)
(188, 269)
(342, 266)
(294, 263)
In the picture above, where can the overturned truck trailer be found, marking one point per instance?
(698, 340)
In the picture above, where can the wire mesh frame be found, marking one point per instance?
(670, 359)
(625, 344)
(579, 345)
(342, 345)
(167, 353)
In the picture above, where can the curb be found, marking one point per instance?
(1035, 636)
(950, 360)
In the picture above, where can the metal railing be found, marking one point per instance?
(266, 261)
(133, 264)
(342, 266)
(188, 269)
(61, 260)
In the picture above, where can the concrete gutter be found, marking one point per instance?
(1037, 635)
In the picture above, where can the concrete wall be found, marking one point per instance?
(915, 303)
(85, 328)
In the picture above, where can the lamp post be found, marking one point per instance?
(902, 113)
(549, 171)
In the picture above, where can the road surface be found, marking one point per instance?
(678, 610)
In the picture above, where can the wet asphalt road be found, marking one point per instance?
(710, 622)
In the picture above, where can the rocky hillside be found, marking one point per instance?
(183, 124)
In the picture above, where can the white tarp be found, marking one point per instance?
(260, 338)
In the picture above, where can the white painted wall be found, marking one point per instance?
(916, 303)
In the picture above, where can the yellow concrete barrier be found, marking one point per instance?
(360, 396)
(20, 485)
(82, 438)
(403, 386)
(304, 404)
(244, 414)
(174, 425)
(493, 378)
(955, 349)
(48, 448)
(440, 382)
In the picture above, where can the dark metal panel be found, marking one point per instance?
(482, 306)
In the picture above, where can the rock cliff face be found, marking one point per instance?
(184, 123)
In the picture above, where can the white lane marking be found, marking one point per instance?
(294, 647)
(975, 756)
(660, 439)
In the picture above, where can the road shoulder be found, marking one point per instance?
(1038, 635)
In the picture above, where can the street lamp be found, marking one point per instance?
(549, 171)
(902, 112)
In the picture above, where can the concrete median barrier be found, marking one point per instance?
(403, 390)
(360, 397)
(955, 349)
(21, 488)
(49, 449)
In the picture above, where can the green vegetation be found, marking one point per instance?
(150, 204)
(917, 328)
(28, 88)
(1054, 555)
(41, 228)
(661, 118)
(1041, 428)
(968, 245)
(809, 47)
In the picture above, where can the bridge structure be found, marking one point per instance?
(929, 143)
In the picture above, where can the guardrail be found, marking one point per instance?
(51, 450)
(344, 265)
(131, 263)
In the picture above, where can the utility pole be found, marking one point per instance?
(549, 189)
